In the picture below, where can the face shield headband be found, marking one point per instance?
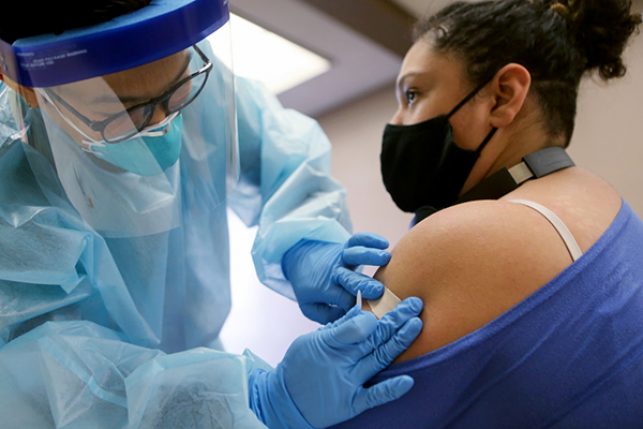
(159, 30)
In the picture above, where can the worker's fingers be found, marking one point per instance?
(322, 313)
(352, 282)
(386, 353)
(394, 320)
(354, 330)
(381, 393)
(368, 239)
(362, 255)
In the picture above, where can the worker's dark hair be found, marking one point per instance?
(557, 41)
(24, 19)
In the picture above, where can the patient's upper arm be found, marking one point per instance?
(469, 264)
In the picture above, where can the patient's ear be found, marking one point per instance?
(510, 89)
(28, 94)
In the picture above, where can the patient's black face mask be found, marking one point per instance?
(421, 164)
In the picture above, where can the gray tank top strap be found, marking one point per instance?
(563, 231)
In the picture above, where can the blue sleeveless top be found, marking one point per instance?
(568, 356)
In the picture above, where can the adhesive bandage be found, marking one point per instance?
(386, 303)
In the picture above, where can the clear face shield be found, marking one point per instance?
(139, 149)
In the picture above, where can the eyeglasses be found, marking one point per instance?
(127, 124)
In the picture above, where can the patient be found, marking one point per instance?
(533, 286)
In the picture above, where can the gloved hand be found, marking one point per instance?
(320, 381)
(323, 274)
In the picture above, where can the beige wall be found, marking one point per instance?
(608, 141)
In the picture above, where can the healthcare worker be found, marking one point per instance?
(118, 158)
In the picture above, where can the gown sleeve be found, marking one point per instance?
(78, 374)
(285, 185)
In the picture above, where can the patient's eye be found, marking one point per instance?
(411, 96)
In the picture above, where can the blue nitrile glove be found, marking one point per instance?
(323, 274)
(320, 381)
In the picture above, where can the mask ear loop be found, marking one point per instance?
(465, 101)
(487, 140)
(88, 143)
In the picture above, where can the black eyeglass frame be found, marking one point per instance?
(100, 126)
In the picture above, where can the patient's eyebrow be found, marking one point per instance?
(402, 79)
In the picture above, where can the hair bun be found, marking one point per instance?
(601, 30)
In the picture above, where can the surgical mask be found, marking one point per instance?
(151, 152)
(115, 202)
(423, 166)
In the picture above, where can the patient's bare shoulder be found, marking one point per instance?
(471, 263)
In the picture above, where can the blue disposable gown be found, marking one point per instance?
(102, 332)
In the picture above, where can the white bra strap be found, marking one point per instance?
(563, 231)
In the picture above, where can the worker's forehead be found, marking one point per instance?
(148, 74)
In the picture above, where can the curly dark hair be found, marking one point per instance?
(558, 41)
(24, 19)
